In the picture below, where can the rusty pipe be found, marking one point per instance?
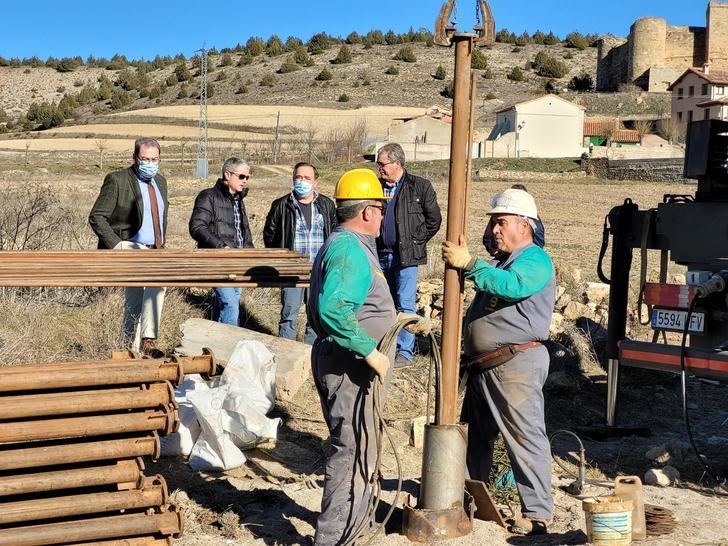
(138, 541)
(67, 403)
(77, 505)
(164, 421)
(456, 221)
(117, 373)
(121, 472)
(80, 452)
(68, 532)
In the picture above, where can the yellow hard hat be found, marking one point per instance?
(358, 184)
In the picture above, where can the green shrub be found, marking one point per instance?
(301, 56)
(59, 89)
(583, 82)
(344, 56)
(274, 46)
(353, 38)
(171, 80)
(538, 37)
(568, 56)
(226, 60)
(254, 46)
(488, 74)
(343, 98)
(440, 73)
(516, 75)
(576, 40)
(210, 90)
(69, 64)
(448, 91)
(245, 59)
(221, 76)
(242, 90)
(390, 38)
(45, 115)
(155, 92)
(376, 37)
(503, 36)
(392, 71)
(324, 75)
(293, 43)
(523, 39)
(182, 73)
(318, 43)
(491, 96)
(120, 99)
(478, 61)
(406, 55)
(551, 39)
(268, 80)
(549, 67)
(182, 92)
(288, 66)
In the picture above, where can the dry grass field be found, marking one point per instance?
(268, 501)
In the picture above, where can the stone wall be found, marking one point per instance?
(647, 170)
(612, 63)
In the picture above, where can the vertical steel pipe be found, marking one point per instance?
(79, 452)
(456, 221)
(443, 466)
(121, 472)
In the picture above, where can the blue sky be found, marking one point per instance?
(144, 29)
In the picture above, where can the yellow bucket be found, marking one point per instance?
(608, 520)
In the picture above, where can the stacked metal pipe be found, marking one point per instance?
(72, 438)
(201, 268)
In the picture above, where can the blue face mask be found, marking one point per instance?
(302, 188)
(147, 169)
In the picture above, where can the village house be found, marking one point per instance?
(699, 94)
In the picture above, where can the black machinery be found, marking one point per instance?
(694, 231)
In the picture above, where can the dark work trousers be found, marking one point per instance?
(345, 386)
(509, 399)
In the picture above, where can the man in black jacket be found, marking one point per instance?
(300, 221)
(219, 220)
(411, 218)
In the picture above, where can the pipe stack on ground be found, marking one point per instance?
(248, 268)
(72, 438)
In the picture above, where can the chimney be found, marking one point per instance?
(706, 68)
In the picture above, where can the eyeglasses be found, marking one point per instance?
(241, 176)
(382, 165)
(379, 207)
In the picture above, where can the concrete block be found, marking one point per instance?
(293, 359)
(417, 432)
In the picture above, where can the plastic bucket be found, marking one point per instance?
(608, 520)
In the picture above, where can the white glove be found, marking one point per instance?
(379, 362)
(422, 327)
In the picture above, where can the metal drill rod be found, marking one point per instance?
(121, 472)
(76, 505)
(69, 532)
(76, 452)
(456, 221)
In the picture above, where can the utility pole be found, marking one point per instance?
(202, 159)
(275, 139)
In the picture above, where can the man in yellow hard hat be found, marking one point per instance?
(350, 308)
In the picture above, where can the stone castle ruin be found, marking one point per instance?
(656, 54)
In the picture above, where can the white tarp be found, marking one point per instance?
(231, 410)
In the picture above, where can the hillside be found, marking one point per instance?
(267, 81)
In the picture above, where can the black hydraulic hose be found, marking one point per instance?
(603, 250)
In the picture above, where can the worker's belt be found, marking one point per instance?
(493, 359)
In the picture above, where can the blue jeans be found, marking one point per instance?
(226, 308)
(403, 285)
(291, 300)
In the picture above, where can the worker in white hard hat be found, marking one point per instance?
(506, 361)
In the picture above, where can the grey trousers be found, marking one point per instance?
(142, 307)
(509, 399)
(345, 387)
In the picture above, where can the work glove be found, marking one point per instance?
(420, 328)
(454, 255)
(379, 362)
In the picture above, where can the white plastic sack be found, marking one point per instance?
(182, 441)
(233, 415)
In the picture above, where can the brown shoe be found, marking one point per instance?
(520, 525)
(149, 348)
(401, 361)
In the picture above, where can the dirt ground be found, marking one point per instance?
(275, 498)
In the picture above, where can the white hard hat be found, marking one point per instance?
(512, 201)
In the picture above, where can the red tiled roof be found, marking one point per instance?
(603, 127)
(715, 77)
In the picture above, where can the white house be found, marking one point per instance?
(699, 94)
(423, 137)
(547, 126)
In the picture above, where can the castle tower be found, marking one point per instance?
(717, 34)
(648, 39)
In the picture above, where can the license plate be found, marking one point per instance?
(671, 319)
